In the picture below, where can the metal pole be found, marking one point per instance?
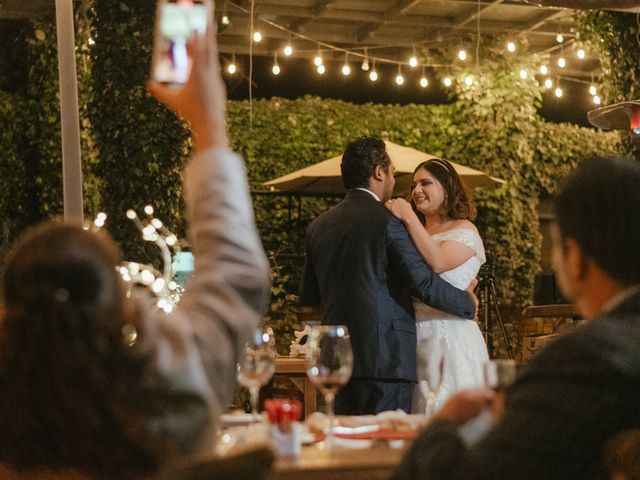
(70, 118)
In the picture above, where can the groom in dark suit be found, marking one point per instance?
(362, 269)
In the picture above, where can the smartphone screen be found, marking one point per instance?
(177, 20)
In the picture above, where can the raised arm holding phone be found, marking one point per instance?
(98, 385)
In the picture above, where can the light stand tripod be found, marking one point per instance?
(489, 302)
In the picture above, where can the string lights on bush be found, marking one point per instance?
(160, 283)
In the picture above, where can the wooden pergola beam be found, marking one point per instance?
(400, 8)
(318, 10)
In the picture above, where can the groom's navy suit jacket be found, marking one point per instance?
(362, 269)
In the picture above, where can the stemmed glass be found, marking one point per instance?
(430, 369)
(257, 366)
(329, 365)
(499, 374)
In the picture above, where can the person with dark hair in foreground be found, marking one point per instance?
(582, 389)
(97, 385)
(362, 268)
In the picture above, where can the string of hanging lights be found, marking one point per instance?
(369, 60)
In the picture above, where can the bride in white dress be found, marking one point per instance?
(439, 222)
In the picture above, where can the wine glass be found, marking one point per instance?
(257, 366)
(329, 365)
(430, 369)
(499, 374)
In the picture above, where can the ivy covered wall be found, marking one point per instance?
(135, 149)
(614, 36)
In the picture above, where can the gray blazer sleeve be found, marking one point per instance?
(192, 353)
(423, 282)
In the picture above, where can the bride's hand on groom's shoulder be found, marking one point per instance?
(400, 208)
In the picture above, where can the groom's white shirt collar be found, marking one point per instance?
(369, 192)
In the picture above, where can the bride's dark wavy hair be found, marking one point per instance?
(457, 203)
(64, 370)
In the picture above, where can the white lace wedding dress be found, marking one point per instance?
(465, 350)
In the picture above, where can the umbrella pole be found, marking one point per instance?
(70, 119)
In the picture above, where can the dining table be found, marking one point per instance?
(338, 463)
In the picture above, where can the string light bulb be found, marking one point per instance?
(593, 90)
(548, 83)
(597, 100)
(225, 19)
(447, 81)
(424, 81)
(373, 74)
(413, 60)
(321, 69)
(559, 37)
(468, 80)
(523, 74)
(365, 62)
(558, 92)
(346, 69)
(562, 62)
(317, 60)
(288, 50)
(462, 55)
(276, 68)
(581, 54)
(231, 68)
(399, 77)
(544, 70)
(511, 47)
(257, 36)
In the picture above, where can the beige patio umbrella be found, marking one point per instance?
(324, 177)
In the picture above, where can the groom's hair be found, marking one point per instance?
(598, 206)
(360, 159)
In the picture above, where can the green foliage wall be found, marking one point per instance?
(499, 133)
(141, 146)
(135, 149)
(614, 37)
(30, 145)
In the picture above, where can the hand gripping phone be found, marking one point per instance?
(176, 23)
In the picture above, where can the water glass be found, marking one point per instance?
(257, 366)
(329, 365)
(430, 369)
(499, 373)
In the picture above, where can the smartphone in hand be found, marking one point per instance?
(176, 22)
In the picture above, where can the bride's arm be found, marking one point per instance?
(440, 255)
